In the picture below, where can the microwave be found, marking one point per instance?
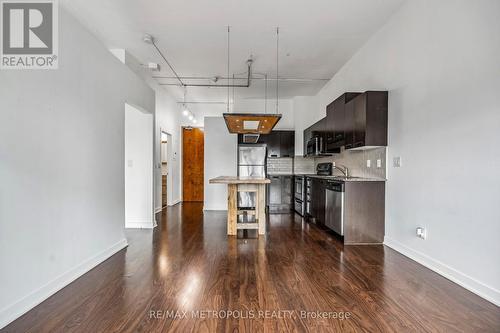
(315, 146)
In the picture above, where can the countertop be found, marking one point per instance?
(341, 178)
(239, 180)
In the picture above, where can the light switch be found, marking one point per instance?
(379, 163)
(130, 163)
(396, 162)
(368, 163)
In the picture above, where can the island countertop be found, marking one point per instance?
(239, 180)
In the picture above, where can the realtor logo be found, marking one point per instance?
(29, 34)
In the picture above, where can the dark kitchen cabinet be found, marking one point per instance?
(307, 137)
(318, 197)
(280, 194)
(336, 123)
(287, 143)
(279, 143)
(274, 191)
(318, 129)
(366, 120)
(287, 190)
(273, 144)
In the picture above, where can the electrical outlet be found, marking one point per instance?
(421, 232)
(379, 163)
(368, 163)
(396, 162)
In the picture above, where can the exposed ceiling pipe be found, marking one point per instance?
(149, 39)
(202, 102)
(253, 78)
(218, 78)
(246, 85)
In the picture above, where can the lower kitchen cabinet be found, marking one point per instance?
(280, 194)
(318, 200)
(363, 211)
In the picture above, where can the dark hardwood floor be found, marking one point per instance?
(188, 264)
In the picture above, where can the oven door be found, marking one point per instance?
(299, 188)
(299, 207)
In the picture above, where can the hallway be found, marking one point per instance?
(188, 264)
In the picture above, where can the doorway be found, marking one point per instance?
(192, 164)
(138, 168)
(165, 165)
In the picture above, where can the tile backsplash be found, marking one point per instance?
(303, 165)
(279, 165)
(355, 160)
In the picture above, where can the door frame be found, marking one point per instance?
(169, 167)
(182, 158)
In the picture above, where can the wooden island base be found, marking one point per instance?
(244, 184)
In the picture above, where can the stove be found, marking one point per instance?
(302, 196)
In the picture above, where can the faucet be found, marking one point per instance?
(343, 169)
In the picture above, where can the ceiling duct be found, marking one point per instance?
(250, 138)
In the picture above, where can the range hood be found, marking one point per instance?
(251, 123)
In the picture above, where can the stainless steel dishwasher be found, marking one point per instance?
(334, 207)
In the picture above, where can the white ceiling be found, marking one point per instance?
(316, 37)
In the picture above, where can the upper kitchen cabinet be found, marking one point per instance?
(287, 143)
(279, 143)
(273, 143)
(336, 124)
(314, 138)
(366, 120)
(307, 137)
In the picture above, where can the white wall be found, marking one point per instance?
(138, 168)
(167, 119)
(306, 112)
(221, 150)
(62, 167)
(440, 62)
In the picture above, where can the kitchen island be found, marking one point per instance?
(256, 185)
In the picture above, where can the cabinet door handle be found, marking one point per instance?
(274, 155)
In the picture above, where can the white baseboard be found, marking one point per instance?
(20, 307)
(175, 202)
(140, 223)
(488, 293)
(158, 209)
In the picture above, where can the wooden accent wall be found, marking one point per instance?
(192, 164)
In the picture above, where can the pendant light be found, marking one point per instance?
(253, 123)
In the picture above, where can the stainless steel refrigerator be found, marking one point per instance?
(251, 162)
